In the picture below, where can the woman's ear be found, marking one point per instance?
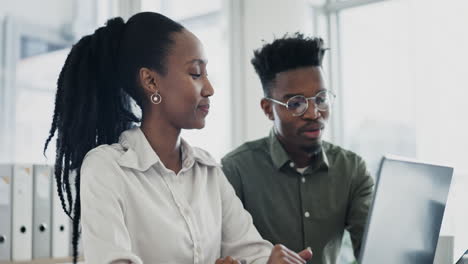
(267, 108)
(147, 79)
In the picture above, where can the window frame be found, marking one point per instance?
(329, 12)
(12, 30)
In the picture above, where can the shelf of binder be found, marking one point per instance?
(33, 224)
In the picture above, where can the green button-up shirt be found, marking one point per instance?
(301, 210)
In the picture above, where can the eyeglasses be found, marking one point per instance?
(299, 104)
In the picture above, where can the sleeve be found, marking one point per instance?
(233, 176)
(240, 238)
(105, 235)
(362, 188)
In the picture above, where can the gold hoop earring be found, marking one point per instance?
(156, 98)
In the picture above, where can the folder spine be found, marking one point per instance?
(6, 173)
(42, 211)
(21, 249)
(60, 226)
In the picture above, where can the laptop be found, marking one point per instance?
(406, 213)
(463, 259)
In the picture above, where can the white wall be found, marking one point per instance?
(261, 20)
(49, 12)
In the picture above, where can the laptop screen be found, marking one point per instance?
(463, 259)
(406, 213)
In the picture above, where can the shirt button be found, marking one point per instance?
(291, 164)
(307, 214)
(303, 179)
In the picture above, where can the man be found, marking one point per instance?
(300, 190)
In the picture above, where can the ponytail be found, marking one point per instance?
(90, 109)
(93, 103)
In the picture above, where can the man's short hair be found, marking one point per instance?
(286, 53)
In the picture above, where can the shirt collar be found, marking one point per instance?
(140, 155)
(277, 152)
(280, 156)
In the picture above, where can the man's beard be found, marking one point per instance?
(314, 149)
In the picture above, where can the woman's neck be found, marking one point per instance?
(165, 141)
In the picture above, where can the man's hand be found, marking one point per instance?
(282, 255)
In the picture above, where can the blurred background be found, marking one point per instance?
(398, 68)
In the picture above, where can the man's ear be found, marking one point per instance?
(267, 107)
(147, 79)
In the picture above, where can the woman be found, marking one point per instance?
(144, 195)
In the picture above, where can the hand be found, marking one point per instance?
(227, 260)
(282, 255)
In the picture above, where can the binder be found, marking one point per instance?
(42, 204)
(60, 226)
(21, 248)
(6, 173)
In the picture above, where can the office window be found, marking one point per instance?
(35, 95)
(403, 76)
(403, 73)
(379, 96)
(33, 57)
(398, 68)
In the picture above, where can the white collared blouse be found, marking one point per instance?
(133, 208)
